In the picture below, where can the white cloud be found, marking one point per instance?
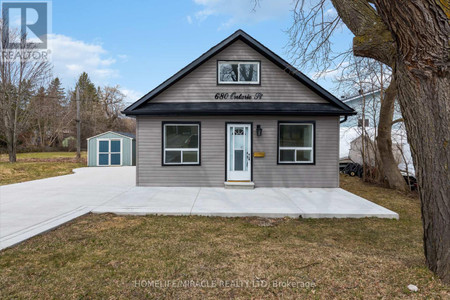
(239, 12)
(70, 57)
(123, 57)
(330, 73)
(189, 19)
(203, 14)
(331, 12)
(131, 95)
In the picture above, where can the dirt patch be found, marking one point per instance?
(265, 222)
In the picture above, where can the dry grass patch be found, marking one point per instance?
(102, 256)
(32, 166)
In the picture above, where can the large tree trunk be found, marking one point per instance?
(421, 31)
(384, 140)
(414, 41)
(427, 122)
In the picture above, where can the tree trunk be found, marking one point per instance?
(12, 154)
(384, 140)
(427, 122)
(11, 146)
(421, 30)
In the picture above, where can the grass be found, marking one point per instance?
(108, 256)
(38, 165)
(42, 156)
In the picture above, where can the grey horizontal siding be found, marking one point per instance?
(201, 84)
(211, 173)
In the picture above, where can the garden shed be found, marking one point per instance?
(111, 149)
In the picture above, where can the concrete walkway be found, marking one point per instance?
(30, 208)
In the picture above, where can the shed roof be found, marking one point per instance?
(124, 134)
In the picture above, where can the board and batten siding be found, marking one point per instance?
(201, 84)
(211, 172)
(127, 159)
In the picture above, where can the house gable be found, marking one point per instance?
(280, 84)
(275, 85)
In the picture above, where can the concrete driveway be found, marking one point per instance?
(33, 207)
(29, 208)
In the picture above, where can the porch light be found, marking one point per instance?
(258, 130)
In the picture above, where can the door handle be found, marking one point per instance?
(248, 156)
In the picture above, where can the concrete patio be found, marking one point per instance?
(260, 202)
(31, 208)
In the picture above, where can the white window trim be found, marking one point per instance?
(238, 63)
(238, 175)
(109, 152)
(181, 149)
(131, 152)
(296, 148)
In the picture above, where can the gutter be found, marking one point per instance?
(345, 119)
(260, 113)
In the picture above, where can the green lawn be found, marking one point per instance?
(108, 256)
(38, 165)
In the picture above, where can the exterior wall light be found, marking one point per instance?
(258, 130)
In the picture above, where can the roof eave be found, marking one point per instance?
(247, 113)
(110, 131)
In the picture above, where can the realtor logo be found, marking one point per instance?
(25, 25)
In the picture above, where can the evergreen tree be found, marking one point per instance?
(90, 108)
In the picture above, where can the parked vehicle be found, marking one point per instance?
(353, 169)
(411, 181)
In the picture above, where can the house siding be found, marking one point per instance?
(201, 84)
(126, 149)
(371, 103)
(211, 172)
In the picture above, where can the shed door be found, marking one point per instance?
(109, 152)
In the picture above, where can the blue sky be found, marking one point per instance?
(139, 44)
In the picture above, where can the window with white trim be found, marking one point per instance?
(238, 72)
(181, 144)
(296, 143)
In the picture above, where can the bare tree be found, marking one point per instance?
(412, 38)
(112, 101)
(384, 138)
(367, 75)
(19, 76)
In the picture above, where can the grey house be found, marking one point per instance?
(111, 149)
(371, 100)
(238, 116)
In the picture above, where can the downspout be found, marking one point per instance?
(344, 120)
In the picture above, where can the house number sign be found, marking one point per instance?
(238, 96)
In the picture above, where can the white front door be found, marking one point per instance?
(239, 152)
